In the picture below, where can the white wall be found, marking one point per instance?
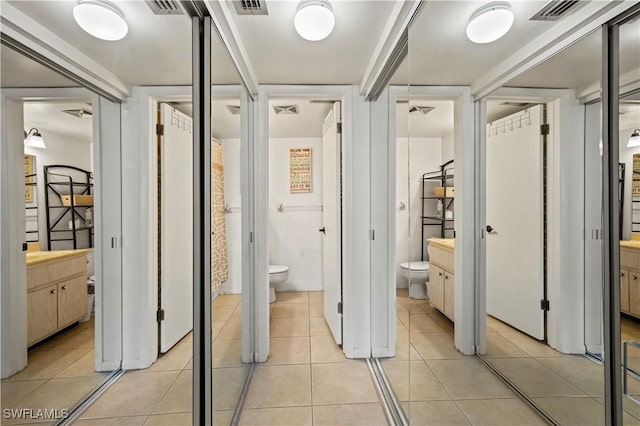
(63, 150)
(421, 155)
(293, 234)
(447, 148)
(232, 195)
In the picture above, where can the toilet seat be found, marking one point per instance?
(277, 269)
(416, 265)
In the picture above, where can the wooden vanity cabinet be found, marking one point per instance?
(441, 279)
(56, 293)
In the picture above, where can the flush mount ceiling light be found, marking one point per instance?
(34, 139)
(490, 22)
(634, 139)
(101, 18)
(314, 20)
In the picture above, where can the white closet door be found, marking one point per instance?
(331, 212)
(176, 283)
(515, 212)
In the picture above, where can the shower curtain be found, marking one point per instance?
(220, 259)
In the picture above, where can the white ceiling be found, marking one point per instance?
(307, 123)
(156, 51)
(437, 123)
(279, 55)
(48, 117)
(441, 54)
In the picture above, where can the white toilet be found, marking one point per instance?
(418, 270)
(277, 275)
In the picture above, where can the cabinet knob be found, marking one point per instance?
(53, 291)
(633, 277)
(64, 287)
(622, 274)
(446, 277)
(439, 274)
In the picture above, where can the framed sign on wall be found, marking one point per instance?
(299, 170)
(29, 178)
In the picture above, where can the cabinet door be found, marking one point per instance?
(634, 293)
(436, 287)
(624, 290)
(42, 313)
(72, 300)
(449, 285)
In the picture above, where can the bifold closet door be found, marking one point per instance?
(176, 227)
(331, 222)
(514, 235)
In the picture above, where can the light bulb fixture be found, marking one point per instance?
(314, 20)
(634, 139)
(34, 139)
(101, 18)
(490, 22)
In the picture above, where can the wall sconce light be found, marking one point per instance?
(634, 139)
(34, 139)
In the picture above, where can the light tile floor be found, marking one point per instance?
(436, 384)
(162, 394)
(569, 388)
(307, 380)
(59, 373)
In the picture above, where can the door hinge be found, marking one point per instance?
(544, 304)
(544, 129)
(339, 307)
(160, 129)
(339, 126)
(25, 246)
(160, 315)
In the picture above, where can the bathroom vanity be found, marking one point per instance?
(56, 291)
(441, 275)
(630, 277)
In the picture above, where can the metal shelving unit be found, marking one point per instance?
(32, 234)
(442, 177)
(63, 180)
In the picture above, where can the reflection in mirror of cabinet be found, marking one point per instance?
(441, 275)
(635, 194)
(630, 277)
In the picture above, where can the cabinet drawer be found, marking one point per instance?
(67, 268)
(42, 313)
(629, 258)
(37, 275)
(440, 256)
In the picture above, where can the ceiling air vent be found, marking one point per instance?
(286, 109)
(79, 112)
(164, 7)
(234, 109)
(251, 7)
(423, 110)
(555, 10)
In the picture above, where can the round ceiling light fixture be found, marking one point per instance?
(490, 22)
(314, 20)
(101, 18)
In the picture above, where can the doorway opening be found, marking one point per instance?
(305, 216)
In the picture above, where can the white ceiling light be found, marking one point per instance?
(314, 20)
(34, 139)
(101, 18)
(490, 22)
(634, 139)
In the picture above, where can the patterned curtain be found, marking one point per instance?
(220, 262)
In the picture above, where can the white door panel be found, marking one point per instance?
(331, 250)
(176, 224)
(515, 212)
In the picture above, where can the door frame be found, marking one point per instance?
(140, 302)
(565, 219)
(383, 258)
(106, 128)
(355, 237)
